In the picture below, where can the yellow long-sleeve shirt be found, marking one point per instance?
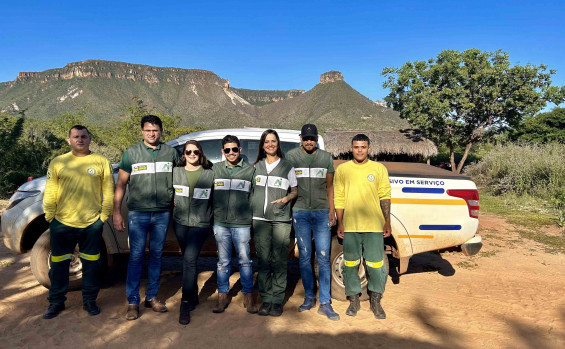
(358, 189)
(79, 190)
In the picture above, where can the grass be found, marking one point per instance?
(4, 264)
(551, 243)
(522, 210)
(467, 264)
(487, 254)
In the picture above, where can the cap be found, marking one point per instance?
(309, 130)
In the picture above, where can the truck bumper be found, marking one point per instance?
(473, 246)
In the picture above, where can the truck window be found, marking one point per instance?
(249, 148)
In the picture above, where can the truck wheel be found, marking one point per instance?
(337, 263)
(40, 262)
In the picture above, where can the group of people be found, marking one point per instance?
(231, 197)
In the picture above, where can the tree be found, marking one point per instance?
(128, 130)
(24, 152)
(542, 128)
(455, 97)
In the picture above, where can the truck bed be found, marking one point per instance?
(415, 169)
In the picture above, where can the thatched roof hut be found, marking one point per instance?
(391, 142)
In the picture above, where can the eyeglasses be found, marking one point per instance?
(234, 149)
(188, 152)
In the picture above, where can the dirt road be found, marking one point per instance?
(509, 296)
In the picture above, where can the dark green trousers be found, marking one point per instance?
(63, 242)
(370, 246)
(271, 242)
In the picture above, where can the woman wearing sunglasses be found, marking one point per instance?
(193, 181)
(274, 188)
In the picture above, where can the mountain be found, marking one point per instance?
(332, 104)
(199, 97)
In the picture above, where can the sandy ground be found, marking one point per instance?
(508, 296)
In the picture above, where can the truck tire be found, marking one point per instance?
(337, 283)
(40, 263)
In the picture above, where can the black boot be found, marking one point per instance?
(184, 317)
(354, 305)
(376, 307)
(53, 311)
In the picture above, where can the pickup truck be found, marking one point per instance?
(432, 209)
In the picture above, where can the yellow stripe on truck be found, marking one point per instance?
(416, 236)
(458, 202)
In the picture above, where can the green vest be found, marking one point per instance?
(278, 186)
(195, 211)
(151, 180)
(311, 177)
(232, 194)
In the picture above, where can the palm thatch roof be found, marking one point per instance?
(409, 142)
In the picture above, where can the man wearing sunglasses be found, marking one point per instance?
(232, 221)
(146, 169)
(313, 215)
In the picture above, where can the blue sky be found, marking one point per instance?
(277, 45)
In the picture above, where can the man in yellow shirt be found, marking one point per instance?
(78, 199)
(362, 204)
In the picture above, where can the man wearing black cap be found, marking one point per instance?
(314, 213)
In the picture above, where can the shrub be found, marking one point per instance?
(533, 169)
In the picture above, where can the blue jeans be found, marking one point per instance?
(306, 222)
(240, 237)
(139, 225)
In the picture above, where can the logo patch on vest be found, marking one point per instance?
(91, 171)
(219, 184)
(200, 193)
(140, 168)
(371, 178)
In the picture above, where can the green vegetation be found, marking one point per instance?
(527, 181)
(551, 243)
(487, 254)
(457, 96)
(526, 211)
(468, 264)
(542, 128)
(24, 148)
(28, 145)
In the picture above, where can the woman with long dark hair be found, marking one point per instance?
(193, 181)
(274, 187)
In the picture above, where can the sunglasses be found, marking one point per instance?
(234, 149)
(309, 138)
(196, 152)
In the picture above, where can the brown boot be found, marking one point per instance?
(133, 312)
(249, 303)
(155, 305)
(222, 303)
